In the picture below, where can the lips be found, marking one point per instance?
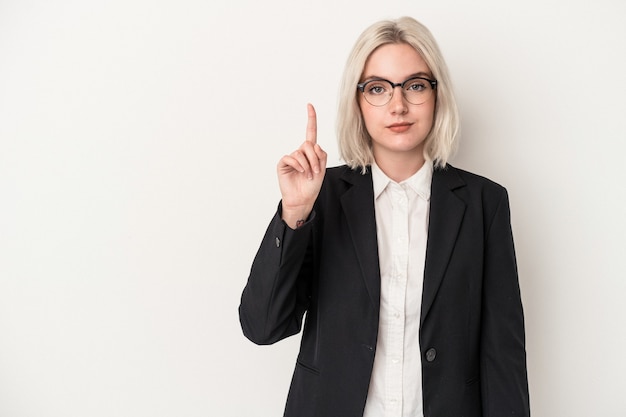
(399, 127)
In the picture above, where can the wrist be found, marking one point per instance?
(295, 218)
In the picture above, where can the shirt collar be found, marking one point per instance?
(419, 182)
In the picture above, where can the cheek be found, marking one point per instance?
(432, 118)
(366, 118)
(428, 116)
(370, 117)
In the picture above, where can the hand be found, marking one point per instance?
(300, 175)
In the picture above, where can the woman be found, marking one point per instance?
(403, 264)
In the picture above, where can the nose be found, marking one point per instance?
(398, 104)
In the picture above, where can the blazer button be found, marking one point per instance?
(431, 354)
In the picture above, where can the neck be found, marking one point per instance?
(399, 167)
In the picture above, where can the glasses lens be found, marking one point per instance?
(417, 90)
(377, 92)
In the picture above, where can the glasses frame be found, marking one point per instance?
(361, 88)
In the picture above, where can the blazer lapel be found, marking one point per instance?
(358, 206)
(446, 215)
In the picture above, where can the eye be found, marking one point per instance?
(376, 88)
(416, 85)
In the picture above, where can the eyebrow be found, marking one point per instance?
(417, 74)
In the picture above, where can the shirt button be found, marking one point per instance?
(395, 361)
(431, 354)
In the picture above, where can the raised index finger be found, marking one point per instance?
(311, 126)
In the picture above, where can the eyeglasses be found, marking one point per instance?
(378, 91)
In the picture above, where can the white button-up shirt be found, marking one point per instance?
(402, 226)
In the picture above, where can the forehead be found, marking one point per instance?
(395, 61)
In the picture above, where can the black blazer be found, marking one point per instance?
(472, 325)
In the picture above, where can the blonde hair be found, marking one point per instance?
(355, 143)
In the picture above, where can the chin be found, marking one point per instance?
(407, 145)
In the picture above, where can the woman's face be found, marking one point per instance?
(398, 128)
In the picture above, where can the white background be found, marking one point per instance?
(138, 143)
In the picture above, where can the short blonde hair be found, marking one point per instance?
(355, 143)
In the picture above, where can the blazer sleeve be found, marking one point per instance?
(503, 356)
(278, 289)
